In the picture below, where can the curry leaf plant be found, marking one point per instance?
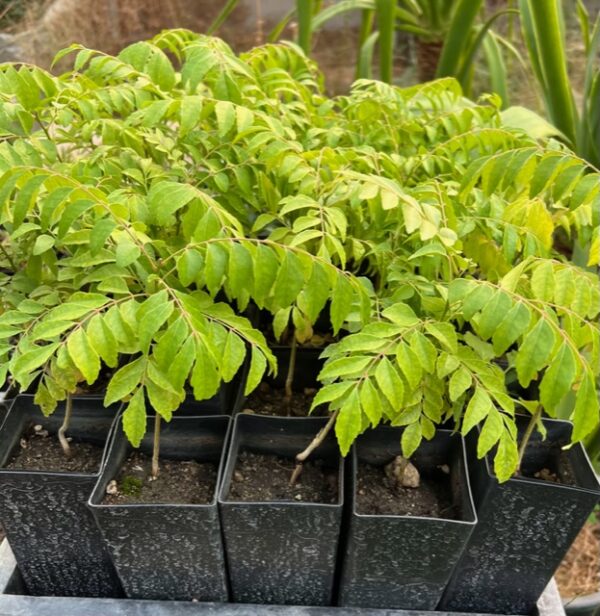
(149, 199)
(137, 257)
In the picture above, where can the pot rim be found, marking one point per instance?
(99, 506)
(473, 512)
(223, 495)
(61, 474)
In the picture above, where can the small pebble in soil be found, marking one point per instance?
(380, 494)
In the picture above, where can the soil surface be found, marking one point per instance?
(557, 470)
(182, 482)
(39, 451)
(380, 495)
(262, 477)
(271, 401)
(579, 573)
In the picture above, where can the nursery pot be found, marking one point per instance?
(526, 525)
(402, 561)
(280, 552)
(167, 551)
(55, 540)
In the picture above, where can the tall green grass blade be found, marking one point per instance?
(457, 39)
(305, 11)
(470, 53)
(497, 68)
(385, 18)
(344, 6)
(277, 31)
(547, 24)
(588, 137)
(222, 16)
(365, 57)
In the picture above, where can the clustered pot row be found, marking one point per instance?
(169, 214)
(287, 552)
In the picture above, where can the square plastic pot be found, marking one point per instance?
(280, 552)
(525, 526)
(400, 561)
(57, 545)
(167, 551)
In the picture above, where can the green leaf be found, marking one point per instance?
(103, 341)
(401, 314)
(25, 364)
(100, 233)
(558, 379)
(341, 302)
(506, 460)
(479, 407)
(124, 381)
(460, 381)
(586, 414)
(205, 378)
(258, 365)
(151, 316)
(165, 198)
(83, 355)
(189, 266)
(542, 281)
(330, 393)
(266, 266)
(344, 367)
(289, 281)
(490, 433)
(492, 314)
(409, 364)
(42, 244)
(191, 108)
(179, 368)
(512, 326)
(425, 351)
(234, 354)
(534, 352)
(216, 266)
(225, 112)
(370, 402)
(348, 424)
(444, 333)
(412, 436)
(134, 418)
(390, 383)
(126, 253)
(240, 270)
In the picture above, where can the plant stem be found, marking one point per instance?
(527, 436)
(289, 381)
(156, 446)
(8, 257)
(64, 443)
(316, 442)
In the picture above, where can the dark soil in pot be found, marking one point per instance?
(378, 494)
(40, 451)
(182, 482)
(260, 477)
(268, 400)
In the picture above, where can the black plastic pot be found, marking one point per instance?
(308, 366)
(55, 540)
(525, 527)
(280, 552)
(167, 551)
(405, 562)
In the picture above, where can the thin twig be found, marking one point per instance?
(64, 443)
